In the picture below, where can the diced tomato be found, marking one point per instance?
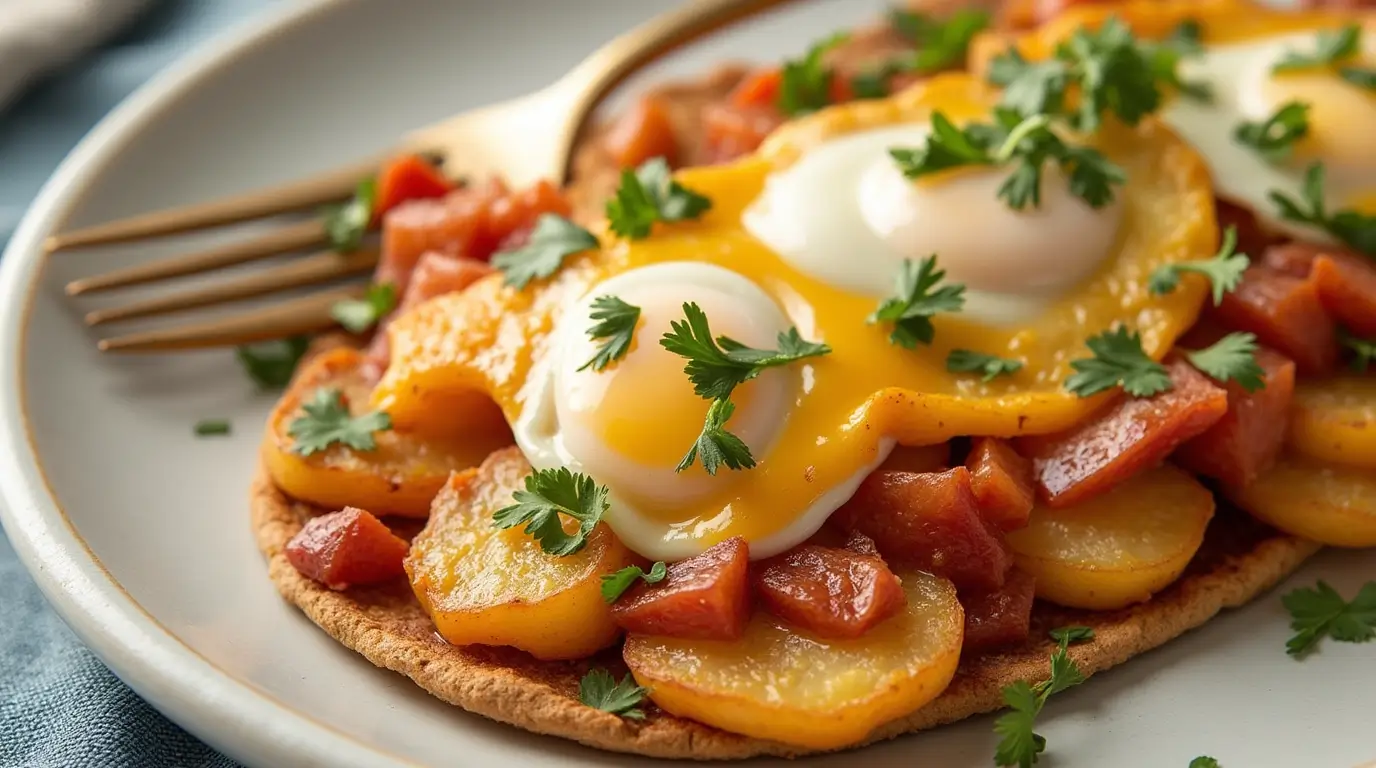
(731, 131)
(642, 133)
(835, 593)
(1001, 617)
(1001, 479)
(1134, 434)
(409, 177)
(760, 89)
(347, 548)
(929, 520)
(706, 597)
(1285, 313)
(1251, 238)
(1247, 440)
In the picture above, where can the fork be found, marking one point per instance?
(521, 140)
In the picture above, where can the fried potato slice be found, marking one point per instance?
(1328, 503)
(1334, 420)
(782, 683)
(489, 586)
(400, 477)
(1118, 548)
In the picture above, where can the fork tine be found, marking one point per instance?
(312, 270)
(308, 314)
(290, 238)
(305, 193)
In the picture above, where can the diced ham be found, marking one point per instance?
(834, 593)
(1133, 435)
(1001, 617)
(1247, 440)
(919, 458)
(435, 275)
(929, 520)
(644, 132)
(347, 548)
(1285, 313)
(406, 178)
(861, 544)
(731, 131)
(1345, 281)
(706, 597)
(1252, 239)
(1001, 479)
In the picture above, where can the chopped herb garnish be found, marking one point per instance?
(716, 445)
(1358, 76)
(1072, 634)
(615, 327)
(912, 309)
(210, 427)
(599, 690)
(1165, 57)
(941, 43)
(717, 366)
(1356, 229)
(1020, 745)
(650, 194)
(1233, 357)
(1224, 270)
(805, 84)
(1330, 48)
(327, 421)
(1274, 138)
(1322, 612)
(990, 366)
(1363, 350)
(1118, 361)
(346, 224)
(1187, 38)
(271, 363)
(614, 585)
(358, 315)
(1204, 761)
(548, 494)
(554, 238)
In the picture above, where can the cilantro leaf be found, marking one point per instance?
(1204, 761)
(805, 84)
(1030, 88)
(912, 309)
(1321, 611)
(991, 366)
(1330, 48)
(616, 321)
(1224, 270)
(614, 585)
(346, 224)
(1072, 634)
(1356, 229)
(941, 43)
(1118, 361)
(548, 494)
(599, 690)
(358, 315)
(1019, 745)
(1232, 357)
(327, 421)
(946, 147)
(1275, 137)
(554, 238)
(631, 212)
(1363, 350)
(212, 427)
(271, 363)
(1091, 175)
(1187, 38)
(1164, 59)
(1358, 76)
(650, 194)
(717, 366)
(717, 446)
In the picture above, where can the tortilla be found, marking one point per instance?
(1240, 559)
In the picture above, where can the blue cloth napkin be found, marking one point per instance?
(59, 706)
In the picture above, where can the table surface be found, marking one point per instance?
(59, 705)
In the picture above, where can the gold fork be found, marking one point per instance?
(521, 140)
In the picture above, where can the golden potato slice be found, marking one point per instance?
(785, 684)
(1334, 420)
(400, 477)
(1118, 548)
(484, 585)
(1328, 503)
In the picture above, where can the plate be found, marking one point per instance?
(137, 531)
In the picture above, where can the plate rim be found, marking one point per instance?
(238, 719)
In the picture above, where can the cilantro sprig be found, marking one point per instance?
(1274, 138)
(614, 585)
(1321, 612)
(599, 690)
(1020, 745)
(990, 366)
(553, 239)
(1204, 761)
(649, 194)
(940, 44)
(271, 363)
(1224, 270)
(358, 315)
(1331, 46)
(615, 327)
(1363, 350)
(1072, 634)
(346, 224)
(548, 494)
(1231, 358)
(1118, 361)
(212, 427)
(805, 83)
(918, 299)
(1356, 229)
(715, 445)
(326, 420)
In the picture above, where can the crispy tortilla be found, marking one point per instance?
(1239, 560)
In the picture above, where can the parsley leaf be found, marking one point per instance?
(548, 494)
(650, 194)
(717, 446)
(941, 43)
(1204, 761)
(599, 690)
(1118, 360)
(1321, 611)
(1275, 137)
(1224, 270)
(912, 309)
(358, 315)
(1030, 88)
(970, 361)
(271, 363)
(717, 366)
(554, 238)
(346, 224)
(1072, 634)
(1330, 47)
(616, 321)
(1356, 229)
(1164, 59)
(1363, 350)
(327, 421)
(1021, 746)
(210, 427)
(614, 585)
(1187, 38)
(1362, 78)
(805, 84)
(946, 147)
(1232, 357)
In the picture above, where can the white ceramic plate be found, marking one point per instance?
(138, 532)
